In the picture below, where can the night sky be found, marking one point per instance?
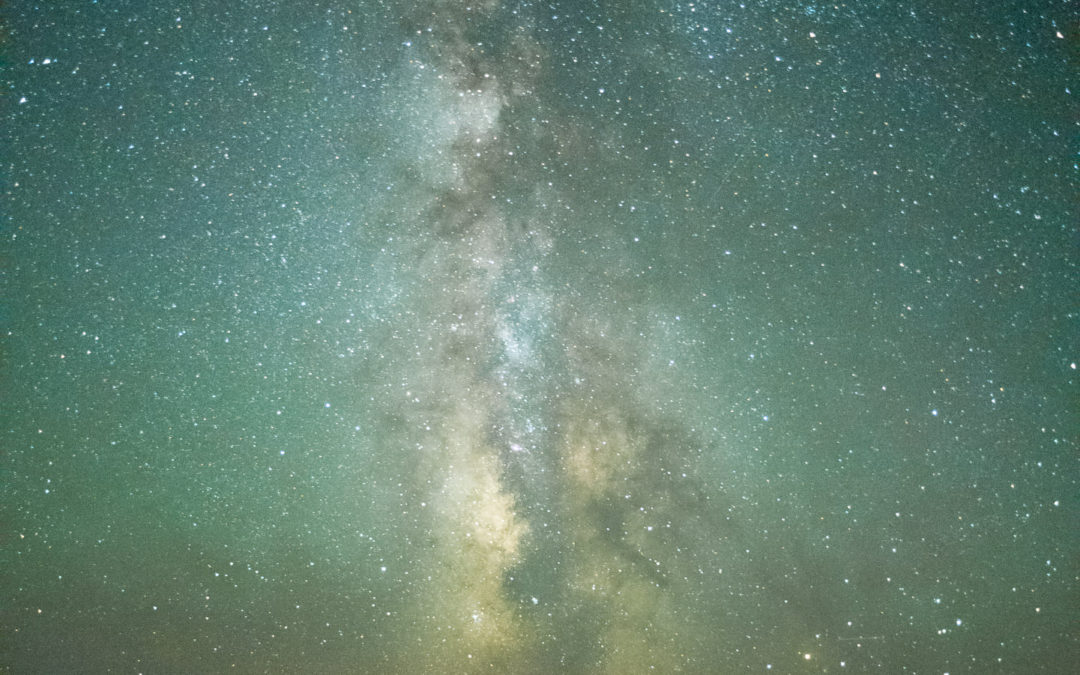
(587, 337)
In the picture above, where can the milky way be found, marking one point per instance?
(526, 414)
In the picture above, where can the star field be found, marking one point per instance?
(585, 337)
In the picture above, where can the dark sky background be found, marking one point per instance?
(586, 337)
